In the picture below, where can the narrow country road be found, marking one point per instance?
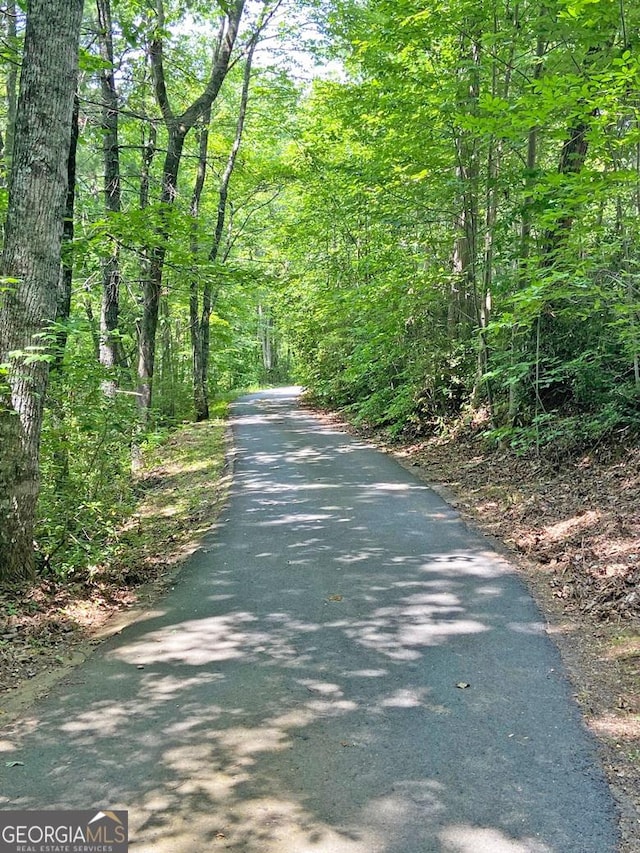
(302, 687)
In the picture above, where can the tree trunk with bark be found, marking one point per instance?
(200, 326)
(63, 306)
(200, 401)
(31, 264)
(12, 85)
(63, 302)
(178, 127)
(462, 306)
(571, 162)
(109, 347)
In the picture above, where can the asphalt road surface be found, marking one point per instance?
(302, 687)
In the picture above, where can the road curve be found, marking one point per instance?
(342, 667)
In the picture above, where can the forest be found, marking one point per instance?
(424, 212)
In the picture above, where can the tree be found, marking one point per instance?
(31, 263)
(490, 151)
(109, 347)
(199, 325)
(178, 126)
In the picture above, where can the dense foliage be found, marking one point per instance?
(441, 221)
(470, 213)
(151, 259)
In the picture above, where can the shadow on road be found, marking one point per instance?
(342, 668)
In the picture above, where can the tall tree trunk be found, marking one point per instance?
(63, 304)
(200, 402)
(12, 85)
(6, 142)
(628, 276)
(148, 153)
(572, 158)
(223, 191)
(201, 340)
(483, 303)
(167, 375)
(494, 162)
(266, 338)
(63, 301)
(463, 298)
(571, 162)
(37, 197)
(522, 272)
(110, 356)
(632, 289)
(177, 128)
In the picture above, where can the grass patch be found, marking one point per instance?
(180, 493)
(182, 488)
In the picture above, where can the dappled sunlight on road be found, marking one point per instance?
(421, 619)
(210, 640)
(341, 669)
(273, 824)
(272, 762)
(471, 839)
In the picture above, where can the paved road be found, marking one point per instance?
(296, 691)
